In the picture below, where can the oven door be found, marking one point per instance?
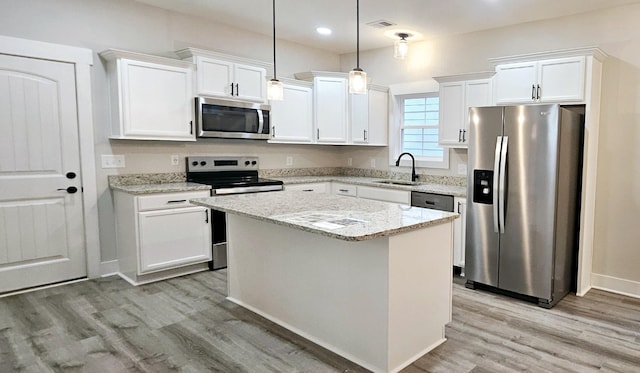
(231, 119)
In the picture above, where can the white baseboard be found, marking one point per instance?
(615, 285)
(109, 268)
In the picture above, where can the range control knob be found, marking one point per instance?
(246, 163)
(194, 163)
(202, 163)
(253, 162)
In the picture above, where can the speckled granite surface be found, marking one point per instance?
(161, 188)
(340, 217)
(154, 183)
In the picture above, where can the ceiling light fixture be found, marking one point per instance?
(357, 77)
(401, 46)
(275, 90)
(323, 30)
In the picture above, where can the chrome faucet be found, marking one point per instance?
(414, 177)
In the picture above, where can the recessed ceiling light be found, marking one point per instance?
(323, 30)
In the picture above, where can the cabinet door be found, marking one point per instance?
(387, 195)
(516, 82)
(251, 83)
(477, 93)
(359, 123)
(451, 121)
(214, 77)
(562, 79)
(459, 232)
(378, 117)
(157, 101)
(188, 240)
(292, 118)
(330, 98)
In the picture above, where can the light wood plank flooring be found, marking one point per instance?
(185, 324)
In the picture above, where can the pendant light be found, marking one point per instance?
(275, 90)
(401, 46)
(357, 77)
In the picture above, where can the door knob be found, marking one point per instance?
(70, 189)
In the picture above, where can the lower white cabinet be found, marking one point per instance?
(310, 187)
(459, 232)
(161, 235)
(383, 194)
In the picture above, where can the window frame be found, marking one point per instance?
(395, 135)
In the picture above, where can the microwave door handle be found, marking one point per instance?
(260, 121)
(199, 124)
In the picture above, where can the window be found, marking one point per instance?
(418, 129)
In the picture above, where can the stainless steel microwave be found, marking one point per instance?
(231, 119)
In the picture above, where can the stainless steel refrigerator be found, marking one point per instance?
(523, 199)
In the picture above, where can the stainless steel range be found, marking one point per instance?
(227, 175)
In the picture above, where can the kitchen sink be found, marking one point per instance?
(397, 182)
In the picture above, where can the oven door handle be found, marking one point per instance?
(248, 189)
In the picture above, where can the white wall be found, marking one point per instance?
(617, 32)
(129, 25)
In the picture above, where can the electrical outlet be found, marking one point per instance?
(175, 160)
(289, 160)
(462, 168)
(349, 161)
(113, 161)
(373, 163)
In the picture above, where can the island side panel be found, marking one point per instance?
(420, 286)
(329, 291)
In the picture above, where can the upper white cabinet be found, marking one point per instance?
(369, 117)
(330, 109)
(292, 118)
(151, 97)
(457, 94)
(543, 81)
(226, 76)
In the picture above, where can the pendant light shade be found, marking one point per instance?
(275, 89)
(401, 46)
(357, 77)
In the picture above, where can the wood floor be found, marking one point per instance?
(185, 324)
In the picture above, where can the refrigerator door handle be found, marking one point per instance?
(503, 177)
(496, 182)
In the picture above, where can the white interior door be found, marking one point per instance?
(41, 223)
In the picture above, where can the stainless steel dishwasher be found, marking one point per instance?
(433, 201)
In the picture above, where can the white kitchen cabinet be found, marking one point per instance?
(151, 97)
(541, 81)
(292, 118)
(161, 235)
(457, 94)
(343, 189)
(459, 232)
(383, 194)
(225, 76)
(369, 117)
(330, 109)
(322, 187)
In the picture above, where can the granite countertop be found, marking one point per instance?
(454, 190)
(160, 188)
(340, 217)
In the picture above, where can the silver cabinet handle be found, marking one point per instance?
(206, 216)
(533, 92)
(231, 89)
(459, 135)
(365, 135)
(459, 204)
(237, 90)
(273, 131)
(307, 190)
(177, 201)
(318, 133)
(464, 135)
(496, 181)
(343, 190)
(538, 92)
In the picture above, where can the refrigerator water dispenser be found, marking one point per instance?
(483, 186)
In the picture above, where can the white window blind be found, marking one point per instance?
(419, 127)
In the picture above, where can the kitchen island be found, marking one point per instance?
(368, 280)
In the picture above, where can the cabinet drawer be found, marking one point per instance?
(344, 189)
(168, 200)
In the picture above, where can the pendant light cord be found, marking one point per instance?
(274, 39)
(357, 34)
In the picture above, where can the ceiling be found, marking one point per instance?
(296, 20)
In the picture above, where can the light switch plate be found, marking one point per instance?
(175, 160)
(349, 161)
(113, 161)
(289, 160)
(373, 163)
